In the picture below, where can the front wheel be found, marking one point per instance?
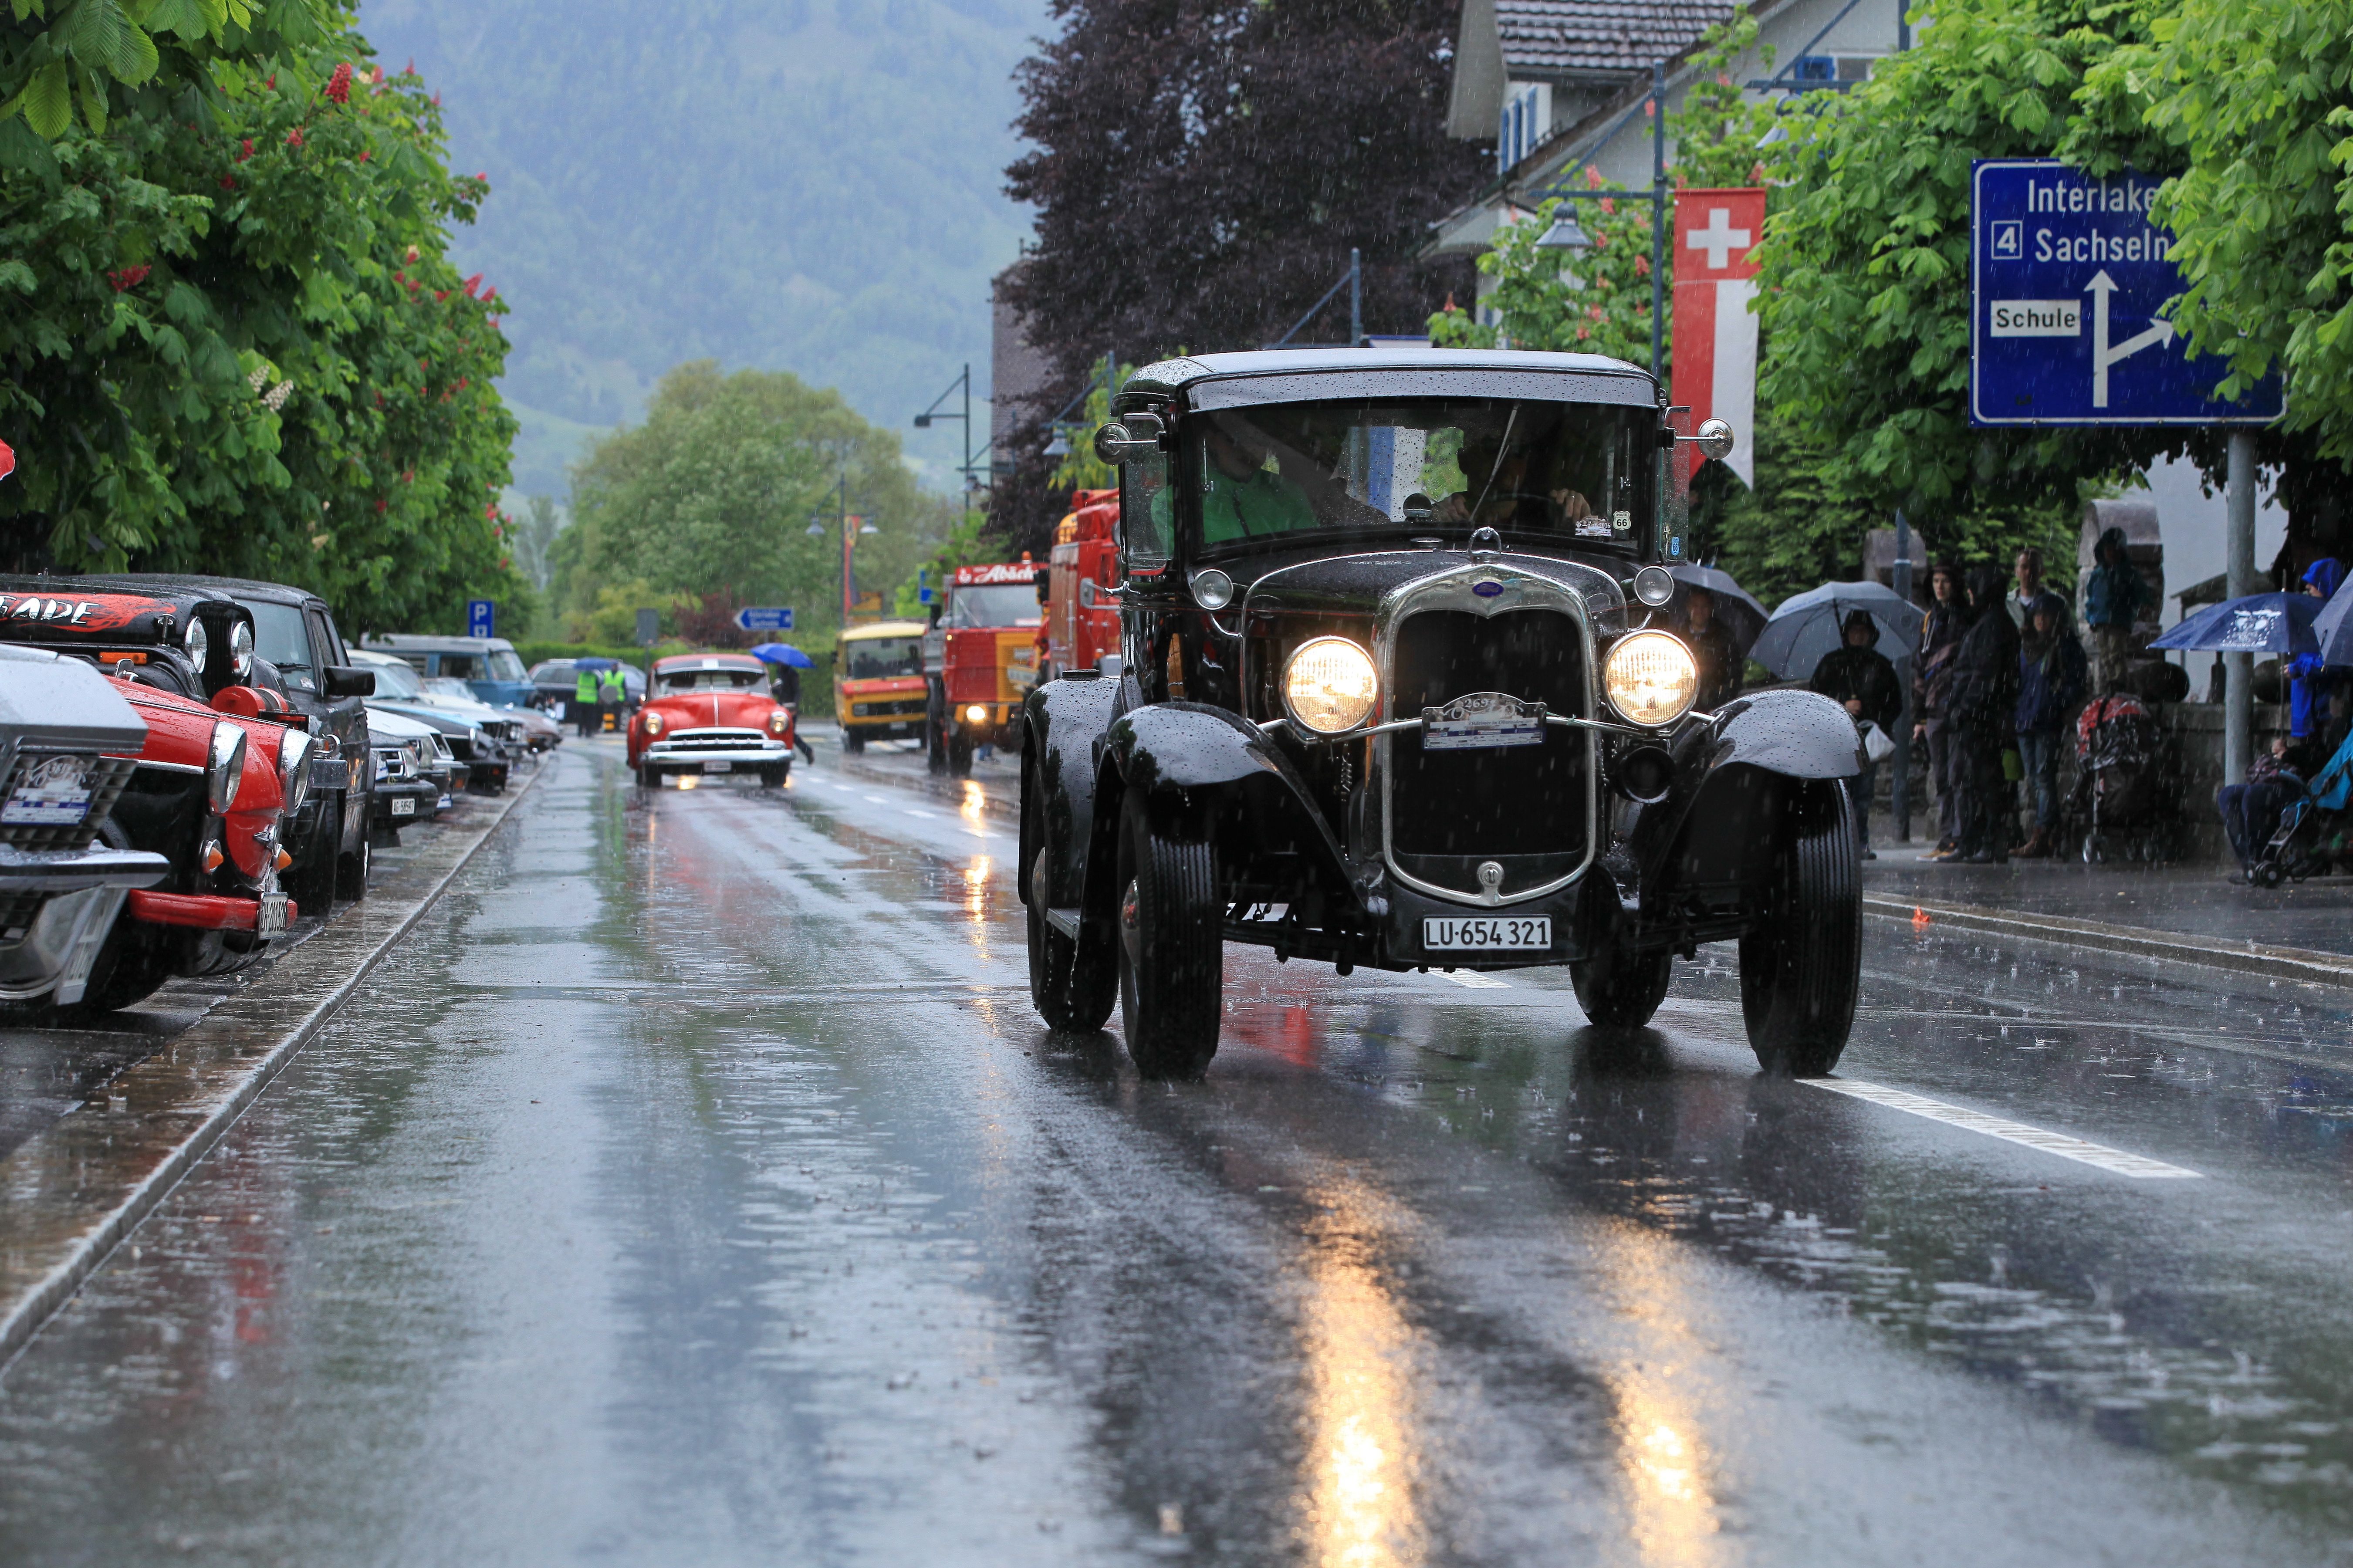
(1620, 990)
(1072, 996)
(649, 778)
(854, 740)
(352, 872)
(310, 880)
(959, 754)
(1171, 945)
(774, 778)
(1801, 971)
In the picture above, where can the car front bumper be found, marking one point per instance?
(203, 911)
(661, 756)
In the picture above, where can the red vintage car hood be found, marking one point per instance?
(705, 710)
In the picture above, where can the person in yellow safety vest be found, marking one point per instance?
(583, 703)
(613, 693)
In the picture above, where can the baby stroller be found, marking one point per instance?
(2119, 800)
(2305, 841)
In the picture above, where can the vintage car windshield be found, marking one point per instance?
(994, 604)
(731, 680)
(878, 659)
(1578, 472)
(278, 637)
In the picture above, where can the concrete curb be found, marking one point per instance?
(60, 1226)
(2138, 942)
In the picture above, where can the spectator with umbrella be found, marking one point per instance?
(1941, 640)
(1983, 709)
(1817, 631)
(784, 664)
(2310, 683)
(1720, 622)
(1858, 677)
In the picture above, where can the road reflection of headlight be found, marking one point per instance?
(1650, 679)
(1329, 685)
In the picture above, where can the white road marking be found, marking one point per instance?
(875, 798)
(2138, 1166)
(1476, 981)
(911, 811)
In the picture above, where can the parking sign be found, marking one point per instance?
(2069, 285)
(481, 615)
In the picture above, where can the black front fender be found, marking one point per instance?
(1066, 721)
(1799, 734)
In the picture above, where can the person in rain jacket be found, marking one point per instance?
(1940, 638)
(1983, 711)
(2050, 677)
(1710, 641)
(2114, 594)
(2310, 681)
(1857, 676)
(612, 696)
(584, 702)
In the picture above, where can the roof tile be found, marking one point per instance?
(1558, 36)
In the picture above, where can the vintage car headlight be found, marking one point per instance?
(198, 642)
(240, 650)
(226, 769)
(653, 724)
(779, 722)
(1329, 685)
(294, 768)
(1650, 679)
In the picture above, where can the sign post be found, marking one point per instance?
(481, 618)
(2069, 283)
(764, 618)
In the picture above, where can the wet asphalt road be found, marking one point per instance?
(698, 1188)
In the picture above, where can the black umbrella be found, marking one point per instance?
(1742, 615)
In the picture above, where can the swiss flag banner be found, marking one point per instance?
(1716, 337)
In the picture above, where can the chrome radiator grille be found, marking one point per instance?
(106, 778)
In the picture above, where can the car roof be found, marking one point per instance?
(1296, 375)
(710, 661)
(197, 583)
(885, 629)
(425, 642)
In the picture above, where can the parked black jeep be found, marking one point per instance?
(1392, 694)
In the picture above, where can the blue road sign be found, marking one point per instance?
(2068, 281)
(758, 619)
(481, 614)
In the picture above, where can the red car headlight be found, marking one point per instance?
(779, 722)
(653, 724)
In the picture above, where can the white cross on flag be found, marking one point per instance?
(1715, 336)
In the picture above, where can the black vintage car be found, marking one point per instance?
(1393, 692)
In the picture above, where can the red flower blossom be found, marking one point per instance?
(490, 511)
(439, 295)
(1583, 334)
(1597, 312)
(411, 257)
(227, 184)
(339, 86)
(294, 137)
(272, 83)
(473, 283)
(460, 386)
(1609, 205)
(366, 154)
(247, 152)
(375, 76)
(1641, 266)
(1592, 177)
(128, 276)
(379, 504)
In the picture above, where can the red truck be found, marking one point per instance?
(980, 659)
(1081, 628)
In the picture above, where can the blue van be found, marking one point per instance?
(490, 666)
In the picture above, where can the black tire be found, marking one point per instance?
(959, 754)
(352, 872)
(1620, 990)
(854, 740)
(1800, 970)
(310, 880)
(131, 965)
(774, 778)
(649, 778)
(935, 729)
(1172, 946)
(1074, 998)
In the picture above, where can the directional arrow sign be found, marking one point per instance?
(2045, 236)
(761, 619)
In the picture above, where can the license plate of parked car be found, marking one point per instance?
(403, 806)
(271, 919)
(1481, 931)
(51, 793)
(718, 767)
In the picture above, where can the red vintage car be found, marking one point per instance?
(209, 792)
(711, 713)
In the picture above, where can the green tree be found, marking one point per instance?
(714, 494)
(234, 342)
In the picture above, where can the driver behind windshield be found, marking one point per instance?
(1244, 498)
(1500, 488)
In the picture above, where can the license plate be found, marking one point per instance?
(718, 767)
(51, 793)
(1484, 730)
(401, 805)
(1492, 933)
(271, 921)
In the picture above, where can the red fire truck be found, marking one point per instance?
(980, 659)
(1081, 627)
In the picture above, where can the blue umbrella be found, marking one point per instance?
(2260, 623)
(783, 653)
(580, 664)
(2333, 627)
(1807, 626)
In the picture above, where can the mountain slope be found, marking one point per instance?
(812, 185)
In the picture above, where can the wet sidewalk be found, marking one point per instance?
(2188, 901)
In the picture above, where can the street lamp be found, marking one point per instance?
(1059, 447)
(849, 536)
(932, 415)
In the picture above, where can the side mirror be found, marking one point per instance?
(1130, 436)
(1086, 593)
(349, 680)
(1714, 440)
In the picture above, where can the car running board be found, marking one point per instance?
(1064, 920)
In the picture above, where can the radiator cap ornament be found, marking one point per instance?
(1490, 881)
